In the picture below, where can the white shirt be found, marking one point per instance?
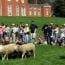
(15, 29)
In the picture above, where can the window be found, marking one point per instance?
(47, 12)
(30, 13)
(39, 8)
(22, 1)
(17, 10)
(16, 0)
(34, 13)
(34, 8)
(23, 11)
(9, 9)
(9, 0)
(39, 13)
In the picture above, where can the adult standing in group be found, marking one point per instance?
(49, 30)
(45, 33)
(63, 35)
(1, 33)
(26, 37)
(21, 31)
(14, 30)
(33, 29)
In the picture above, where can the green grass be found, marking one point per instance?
(40, 21)
(45, 55)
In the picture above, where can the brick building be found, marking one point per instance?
(23, 8)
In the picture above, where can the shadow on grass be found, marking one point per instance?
(62, 57)
(16, 55)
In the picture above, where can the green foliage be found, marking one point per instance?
(31, 1)
(60, 8)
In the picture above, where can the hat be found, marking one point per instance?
(26, 24)
(13, 24)
(64, 24)
(51, 23)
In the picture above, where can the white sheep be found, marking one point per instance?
(26, 48)
(5, 50)
(1, 49)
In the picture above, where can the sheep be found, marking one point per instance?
(5, 50)
(1, 49)
(26, 48)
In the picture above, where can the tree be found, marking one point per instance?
(59, 8)
(31, 1)
(40, 1)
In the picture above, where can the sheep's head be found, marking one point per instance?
(16, 47)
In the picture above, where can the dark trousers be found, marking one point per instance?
(49, 40)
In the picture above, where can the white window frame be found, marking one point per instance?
(47, 12)
(17, 10)
(23, 11)
(35, 13)
(39, 13)
(30, 12)
(9, 9)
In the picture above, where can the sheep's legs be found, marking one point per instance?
(3, 57)
(7, 58)
(34, 54)
(23, 55)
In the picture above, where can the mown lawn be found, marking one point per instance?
(40, 21)
(45, 55)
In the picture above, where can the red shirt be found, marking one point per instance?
(1, 30)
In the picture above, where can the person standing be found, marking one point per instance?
(26, 37)
(14, 31)
(33, 30)
(45, 32)
(49, 32)
(1, 33)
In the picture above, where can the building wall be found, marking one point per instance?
(22, 8)
(47, 11)
(0, 7)
(35, 11)
(4, 7)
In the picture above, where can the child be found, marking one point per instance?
(40, 40)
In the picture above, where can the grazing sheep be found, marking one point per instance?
(26, 48)
(1, 49)
(5, 50)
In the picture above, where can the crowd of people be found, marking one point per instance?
(54, 34)
(22, 33)
(25, 33)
